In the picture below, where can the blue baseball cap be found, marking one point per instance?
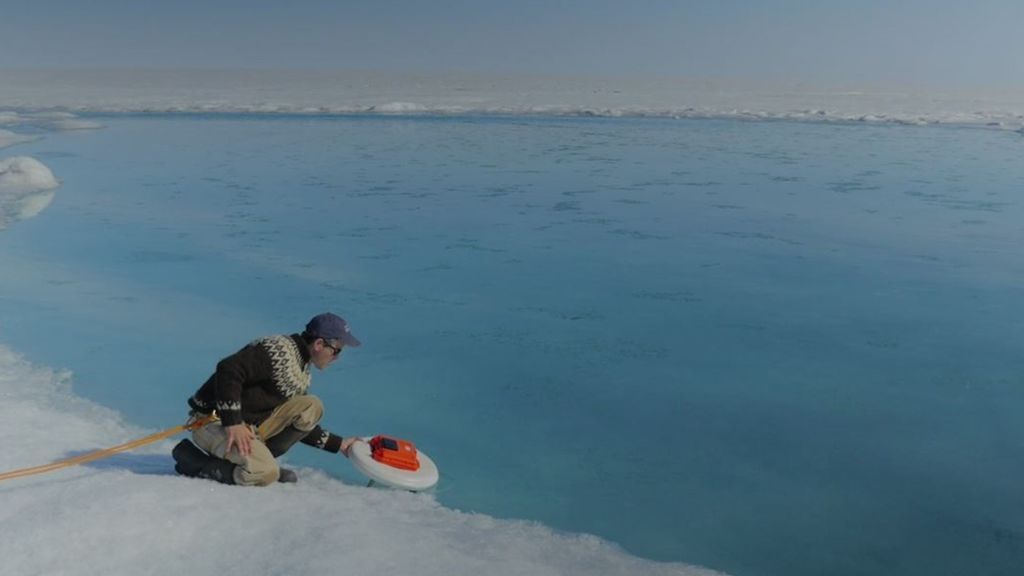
(331, 327)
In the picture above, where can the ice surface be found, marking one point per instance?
(46, 120)
(131, 514)
(8, 138)
(351, 92)
(26, 188)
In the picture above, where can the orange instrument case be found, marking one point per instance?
(394, 452)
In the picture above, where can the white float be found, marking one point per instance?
(424, 478)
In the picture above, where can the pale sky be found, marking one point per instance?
(896, 42)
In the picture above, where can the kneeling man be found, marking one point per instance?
(260, 395)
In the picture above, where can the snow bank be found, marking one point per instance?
(26, 188)
(132, 515)
(23, 174)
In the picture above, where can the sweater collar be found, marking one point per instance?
(303, 348)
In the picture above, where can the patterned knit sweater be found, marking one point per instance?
(251, 383)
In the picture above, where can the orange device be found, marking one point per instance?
(394, 452)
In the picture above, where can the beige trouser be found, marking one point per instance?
(260, 468)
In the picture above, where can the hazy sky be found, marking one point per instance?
(939, 42)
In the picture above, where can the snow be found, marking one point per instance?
(130, 514)
(26, 188)
(23, 174)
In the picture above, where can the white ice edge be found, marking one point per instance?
(1010, 121)
(42, 93)
(8, 138)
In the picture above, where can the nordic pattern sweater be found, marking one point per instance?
(251, 383)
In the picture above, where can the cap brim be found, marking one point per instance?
(349, 340)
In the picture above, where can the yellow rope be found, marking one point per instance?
(106, 452)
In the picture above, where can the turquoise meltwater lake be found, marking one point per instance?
(768, 348)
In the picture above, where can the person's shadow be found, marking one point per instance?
(151, 464)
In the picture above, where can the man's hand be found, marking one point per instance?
(240, 437)
(346, 444)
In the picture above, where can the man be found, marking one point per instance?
(260, 396)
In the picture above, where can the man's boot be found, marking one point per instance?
(280, 444)
(193, 462)
(219, 470)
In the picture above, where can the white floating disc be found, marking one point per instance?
(423, 479)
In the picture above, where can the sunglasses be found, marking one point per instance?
(335, 349)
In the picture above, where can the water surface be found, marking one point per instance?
(762, 347)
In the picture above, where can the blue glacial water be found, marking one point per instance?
(762, 347)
